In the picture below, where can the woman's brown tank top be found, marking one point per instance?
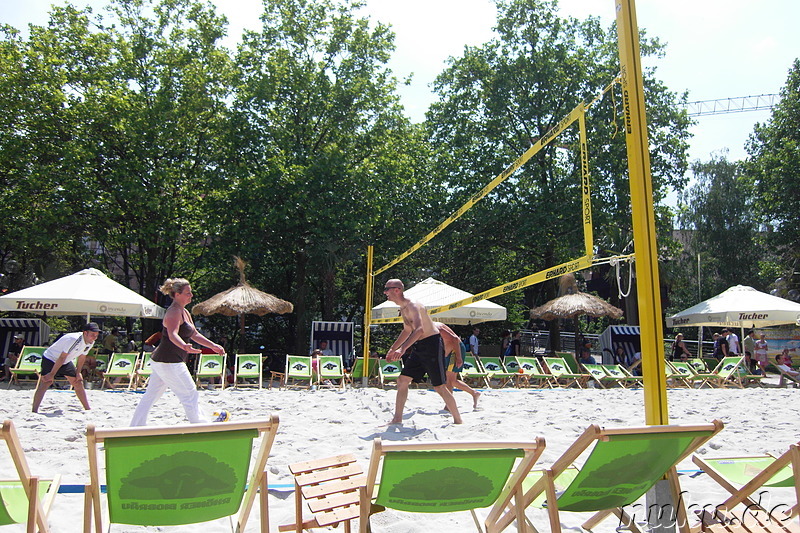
(167, 351)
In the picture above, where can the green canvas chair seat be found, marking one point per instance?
(699, 365)
(330, 369)
(495, 369)
(247, 372)
(471, 371)
(743, 476)
(298, 371)
(144, 371)
(210, 366)
(563, 375)
(29, 363)
(177, 475)
(622, 466)
(531, 373)
(16, 506)
(389, 371)
(121, 365)
(442, 477)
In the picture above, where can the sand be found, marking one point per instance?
(320, 423)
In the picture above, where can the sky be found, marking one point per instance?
(715, 48)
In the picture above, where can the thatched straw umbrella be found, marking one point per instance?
(242, 299)
(571, 303)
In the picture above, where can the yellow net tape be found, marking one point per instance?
(577, 113)
(549, 273)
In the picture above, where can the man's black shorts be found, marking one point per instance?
(64, 370)
(426, 357)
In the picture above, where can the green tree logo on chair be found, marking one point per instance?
(179, 476)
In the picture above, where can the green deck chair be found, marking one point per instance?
(210, 366)
(742, 377)
(471, 371)
(247, 372)
(495, 369)
(175, 475)
(443, 477)
(15, 506)
(330, 369)
(121, 365)
(144, 371)
(622, 466)
(680, 373)
(572, 363)
(389, 371)
(743, 476)
(29, 363)
(600, 376)
(298, 371)
(561, 372)
(624, 378)
(699, 365)
(102, 366)
(532, 374)
(724, 374)
(356, 375)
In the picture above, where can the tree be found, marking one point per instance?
(123, 126)
(500, 98)
(718, 214)
(774, 165)
(325, 149)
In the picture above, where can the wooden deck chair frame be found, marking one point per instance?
(561, 371)
(25, 366)
(210, 366)
(298, 368)
(143, 372)
(645, 462)
(330, 368)
(423, 459)
(389, 371)
(121, 365)
(190, 436)
(247, 367)
(38, 493)
(495, 369)
(532, 371)
(751, 473)
(472, 371)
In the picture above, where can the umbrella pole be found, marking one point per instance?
(241, 333)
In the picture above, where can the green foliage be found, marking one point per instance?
(774, 165)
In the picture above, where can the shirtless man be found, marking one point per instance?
(422, 336)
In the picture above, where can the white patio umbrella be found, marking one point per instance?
(88, 292)
(741, 307)
(433, 293)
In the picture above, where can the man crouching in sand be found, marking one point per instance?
(421, 338)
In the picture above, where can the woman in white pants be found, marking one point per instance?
(169, 358)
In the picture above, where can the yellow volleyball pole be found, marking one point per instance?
(644, 227)
(369, 289)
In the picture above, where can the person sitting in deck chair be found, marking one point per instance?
(786, 371)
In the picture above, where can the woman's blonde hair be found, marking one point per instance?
(173, 285)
